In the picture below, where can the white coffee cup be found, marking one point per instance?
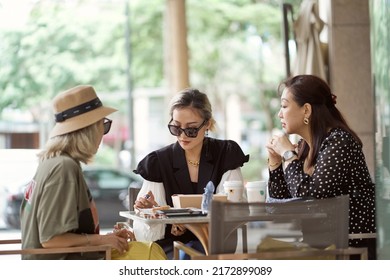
(256, 191)
(234, 190)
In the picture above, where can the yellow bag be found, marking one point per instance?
(140, 251)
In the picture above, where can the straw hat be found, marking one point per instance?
(77, 108)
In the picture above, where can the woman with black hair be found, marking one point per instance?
(327, 161)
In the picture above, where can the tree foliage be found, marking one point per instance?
(230, 51)
(234, 49)
(59, 48)
(63, 45)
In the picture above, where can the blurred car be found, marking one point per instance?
(108, 186)
(17, 167)
(14, 197)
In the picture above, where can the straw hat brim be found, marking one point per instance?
(81, 121)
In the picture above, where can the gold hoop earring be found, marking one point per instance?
(305, 120)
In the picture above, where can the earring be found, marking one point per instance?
(305, 120)
(207, 133)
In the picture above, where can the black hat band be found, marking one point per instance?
(78, 110)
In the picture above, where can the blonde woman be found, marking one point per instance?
(58, 209)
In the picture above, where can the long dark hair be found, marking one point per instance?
(315, 91)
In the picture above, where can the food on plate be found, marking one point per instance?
(157, 208)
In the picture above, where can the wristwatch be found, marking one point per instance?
(289, 155)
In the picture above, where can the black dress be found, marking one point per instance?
(340, 169)
(168, 166)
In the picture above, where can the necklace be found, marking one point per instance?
(193, 163)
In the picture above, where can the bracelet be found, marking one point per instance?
(88, 240)
(273, 165)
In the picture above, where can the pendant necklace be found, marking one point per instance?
(193, 163)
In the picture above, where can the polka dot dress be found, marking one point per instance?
(340, 169)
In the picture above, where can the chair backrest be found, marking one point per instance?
(322, 222)
(106, 249)
(133, 192)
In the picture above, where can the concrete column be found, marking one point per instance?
(350, 68)
(177, 50)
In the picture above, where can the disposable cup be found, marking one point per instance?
(256, 191)
(234, 190)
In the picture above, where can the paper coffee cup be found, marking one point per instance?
(256, 191)
(234, 190)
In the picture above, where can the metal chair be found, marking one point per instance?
(322, 223)
(277, 255)
(133, 192)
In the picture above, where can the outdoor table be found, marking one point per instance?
(198, 225)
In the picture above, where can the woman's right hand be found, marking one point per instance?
(273, 156)
(117, 242)
(146, 201)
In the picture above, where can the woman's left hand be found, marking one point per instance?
(124, 233)
(279, 144)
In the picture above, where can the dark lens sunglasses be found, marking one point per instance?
(189, 132)
(106, 125)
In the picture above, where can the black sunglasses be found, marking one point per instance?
(189, 132)
(106, 125)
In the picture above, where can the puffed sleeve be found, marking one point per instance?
(235, 157)
(149, 169)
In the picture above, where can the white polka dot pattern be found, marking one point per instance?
(340, 169)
